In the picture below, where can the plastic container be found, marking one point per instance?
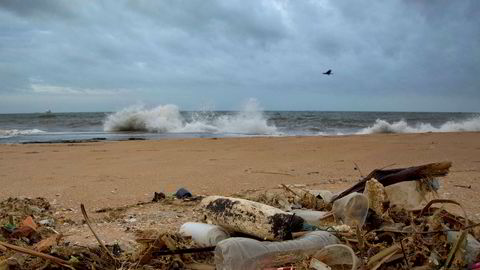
(325, 195)
(351, 209)
(338, 255)
(310, 216)
(244, 253)
(204, 234)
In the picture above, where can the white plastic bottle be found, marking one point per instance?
(204, 234)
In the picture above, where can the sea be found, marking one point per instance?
(168, 121)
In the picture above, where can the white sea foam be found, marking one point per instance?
(137, 118)
(5, 133)
(167, 118)
(382, 126)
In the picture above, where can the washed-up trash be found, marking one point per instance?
(321, 194)
(158, 196)
(309, 199)
(182, 193)
(338, 255)
(409, 195)
(400, 238)
(311, 217)
(471, 246)
(475, 266)
(204, 234)
(394, 176)
(26, 229)
(318, 265)
(276, 199)
(352, 209)
(47, 243)
(245, 253)
(47, 222)
(249, 217)
(29, 222)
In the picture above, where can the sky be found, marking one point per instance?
(74, 55)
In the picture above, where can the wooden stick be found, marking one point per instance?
(361, 243)
(51, 258)
(87, 220)
(290, 190)
(404, 254)
(456, 246)
(358, 169)
(382, 254)
(430, 203)
(463, 186)
(384, 259)
(429, 232)
(183, 251)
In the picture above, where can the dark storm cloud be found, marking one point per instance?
(222, 51)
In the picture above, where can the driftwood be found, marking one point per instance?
(393, 176)
(87, 221)
(253, 218)
(28, 251)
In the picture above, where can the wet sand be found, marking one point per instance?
(115, 173)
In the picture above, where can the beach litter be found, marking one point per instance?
(182, 193)
(371, 225)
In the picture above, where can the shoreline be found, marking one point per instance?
(188, 136)
(113, 173)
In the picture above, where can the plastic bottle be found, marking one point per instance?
(204, 234)
(310, 216)
(240, 253)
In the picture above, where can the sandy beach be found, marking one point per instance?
(116, 173)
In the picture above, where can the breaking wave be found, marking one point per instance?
(5, 133)
(382, 126)
(169, 119)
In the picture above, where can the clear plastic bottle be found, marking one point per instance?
(240, 253)
(311, 217)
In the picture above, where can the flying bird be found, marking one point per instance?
(329, 72)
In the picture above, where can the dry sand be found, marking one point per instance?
(116, 173)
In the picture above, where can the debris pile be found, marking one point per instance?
(390, 219)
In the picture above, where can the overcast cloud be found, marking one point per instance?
(405, 55)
